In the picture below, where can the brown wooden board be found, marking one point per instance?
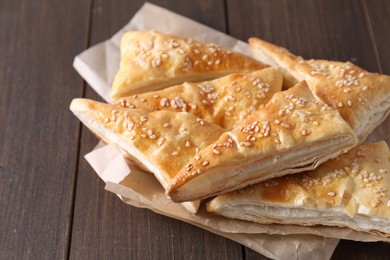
(332, 29)
(105, 227)
(38, 134)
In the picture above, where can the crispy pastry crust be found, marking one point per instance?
(351, 190)
(151, 60)
(225, 101)
(362, 98)
(161, 142)
(294, 132)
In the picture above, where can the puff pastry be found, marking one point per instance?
(361, 97)
(151, 60)
(224, 101)
(351, 190)
(294, 132)
(161, 142)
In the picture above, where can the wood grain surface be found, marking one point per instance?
(53, 206)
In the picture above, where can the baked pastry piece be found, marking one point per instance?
(351, 190)
(361, 97)
(151, 60)
(161, 142)
(224, 101)
(294, 132)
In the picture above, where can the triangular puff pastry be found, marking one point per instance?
(294, 132)
(151, 60)
(161, 142)
(225, 101)
(362, 98)
(352, 190)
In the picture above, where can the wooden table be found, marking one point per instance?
(52, 204)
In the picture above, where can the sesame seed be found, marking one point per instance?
(166, 125)
(175, 153)
(188, 144)
(143, 118)
(189, 167)
(204, 57)
(361, 75)
(143, 99)
(375, 203)
(277, 141)
(205, 163)
(160, 141)
(156, 62)
(198, 171)
(216, 151)
(197, 149)
(304, 132)
(153, 137)
(349, 102)
(247, 144)
(277, 121)
(164, 102)
(156, 96)
(197, 157)
(383, 170)
(285, 125)
(315, 123)
(217, 62)
(365, 88)
(331, 193)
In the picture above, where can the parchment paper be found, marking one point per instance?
(98, 66)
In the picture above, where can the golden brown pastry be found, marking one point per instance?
(294, 132)
(351, 190)
(161, 141)
(224, 101)
(361, 97)
(151, 60)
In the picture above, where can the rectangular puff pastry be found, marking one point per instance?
(294, 132)
(351, 190)
(361, 97)
(224, 101)
(151, 60)
(161, 142)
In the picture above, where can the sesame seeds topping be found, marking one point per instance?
(349, 102)
(374, 203)
(285, 125)
(201, 121)
(365, 88)
(166, 125)
(247, 144)
(216, 151)
(331, 193)
(164, 102)
(340, 104)
(143, 118)
(156, 62)
(197, 157)
(160, 141)
(205, 163)
(189, 167)
(304, 132)
(188, 144)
